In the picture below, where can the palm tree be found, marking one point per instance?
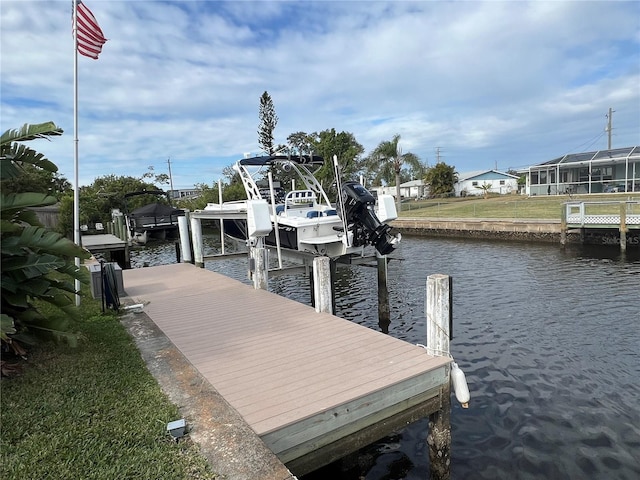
(387, 159)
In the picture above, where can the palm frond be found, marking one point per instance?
(31, 266)
(15, 202)
(14, 155)
(41, 240)
(30, 132)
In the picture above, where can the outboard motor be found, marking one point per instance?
(362, 220)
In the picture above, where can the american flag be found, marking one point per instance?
(90, 36)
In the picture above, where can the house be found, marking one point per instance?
(184, 193)
(492, 181)
(615, 170)
(412, 189)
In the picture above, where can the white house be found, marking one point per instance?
(412, 189)
(473, 183)
(184, 193)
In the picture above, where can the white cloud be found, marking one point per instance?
(519, 81)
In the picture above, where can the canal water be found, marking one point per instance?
(549, 340)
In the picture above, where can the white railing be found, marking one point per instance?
(602, 213)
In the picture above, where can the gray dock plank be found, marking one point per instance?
(293, 374)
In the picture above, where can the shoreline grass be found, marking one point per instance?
(504, 206)
(91, 412)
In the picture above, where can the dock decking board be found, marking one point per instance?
(300, 379)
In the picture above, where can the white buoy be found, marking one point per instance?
(460, 386)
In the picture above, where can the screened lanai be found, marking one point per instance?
(602, 171)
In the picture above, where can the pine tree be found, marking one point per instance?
(268, 122)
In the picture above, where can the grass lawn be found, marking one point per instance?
(505, 206)
(91, 412)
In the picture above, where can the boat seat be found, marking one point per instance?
(279, 209)
(313, 214)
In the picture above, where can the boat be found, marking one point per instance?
(154, 220)
(303, 219)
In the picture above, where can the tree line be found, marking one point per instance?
(387, 164)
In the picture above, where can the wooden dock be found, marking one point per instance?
(116, 250)
(312, 386)
(600, 219)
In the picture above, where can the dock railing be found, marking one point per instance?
(602, 214)
(621, 215)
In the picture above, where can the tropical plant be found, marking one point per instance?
(37, 264)
(441, 179)
(387, 161)
(486, 188)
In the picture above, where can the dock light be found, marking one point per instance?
(177, 428)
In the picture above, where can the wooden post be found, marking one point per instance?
(438, 309)
(439, 438)
(185, 243)
(322, 285)
(196, 241)
(563, 225)
(623, 227)
(384, 314)
(438, 313)
(119, 227)
(260, 273)
(121, 233)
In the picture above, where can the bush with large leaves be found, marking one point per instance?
(37, 264)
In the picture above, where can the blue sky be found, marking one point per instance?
(505, 84)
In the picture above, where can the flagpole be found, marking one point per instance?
(76, 191)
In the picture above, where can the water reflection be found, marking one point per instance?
(549, 340)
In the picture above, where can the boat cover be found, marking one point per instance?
(156, 210)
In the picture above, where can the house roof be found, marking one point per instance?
(470, 175)
(412, 183)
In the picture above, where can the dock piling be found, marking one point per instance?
(438, 309)
(260, 266)
(384, 313)
(563, 225)
(322, 285)
(185, 243)
(196, 236)
(623, 227)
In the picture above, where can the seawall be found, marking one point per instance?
(485, 228)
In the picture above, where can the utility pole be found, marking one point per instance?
(437, 154)
(608, 127)
(170, 177)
